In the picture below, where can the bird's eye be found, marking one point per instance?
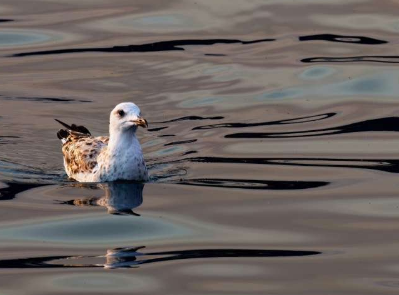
(121, 113)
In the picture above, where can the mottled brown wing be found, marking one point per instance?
(81, 152)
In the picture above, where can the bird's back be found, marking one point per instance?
(81, 155)
(80, 150)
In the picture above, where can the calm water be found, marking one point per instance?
(273, 147)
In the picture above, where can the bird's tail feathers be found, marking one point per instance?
(79, 131)
(63, 135)
(64, 124)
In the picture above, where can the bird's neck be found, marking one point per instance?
(122, 141)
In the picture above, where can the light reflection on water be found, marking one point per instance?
(383, 84)
(10, 38)
(92, 230)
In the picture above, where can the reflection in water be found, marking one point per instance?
(343, 39)
(42, 99)
(255, 184)
(180, 142)
(5, 139)
(11, 38)
(156, 129)
(12, 189)
(120, 198)
(389, 59)
(299, 120)
(186, 118)
(20, 176)
(373, 125)
(91, 230)
(178, 45)
(190, 118)
(151, 47)
(387, 165)
(214, 54)
(132, 257)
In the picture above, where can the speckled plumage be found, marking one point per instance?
(104, 159)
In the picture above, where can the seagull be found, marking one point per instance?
(103, 158)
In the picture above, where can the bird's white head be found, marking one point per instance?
(126, 116)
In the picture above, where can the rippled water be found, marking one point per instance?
(272, 147)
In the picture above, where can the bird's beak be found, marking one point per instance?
(141, 122)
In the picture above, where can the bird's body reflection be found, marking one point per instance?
(120, 197)
(123, 257)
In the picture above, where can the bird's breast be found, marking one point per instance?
(127, 165)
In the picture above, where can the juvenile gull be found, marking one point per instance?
(103, 158)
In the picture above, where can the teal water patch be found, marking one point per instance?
(169, 151)
(383, 84)
(19, 38)
(107, 229)
(160, 22)
(101, 282)
(317, 73)
(201, 102)
(281, 94)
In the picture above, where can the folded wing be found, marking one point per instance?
(80, 149)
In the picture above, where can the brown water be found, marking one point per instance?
(272, 146)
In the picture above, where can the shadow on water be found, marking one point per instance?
(132, 257)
